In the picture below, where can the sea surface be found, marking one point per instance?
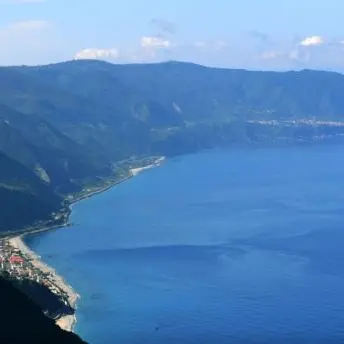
(241, 246)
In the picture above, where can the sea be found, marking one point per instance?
(224, 246)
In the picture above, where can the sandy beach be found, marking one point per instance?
(66, 322)
(135, 171)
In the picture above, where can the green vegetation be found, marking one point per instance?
(70, 128)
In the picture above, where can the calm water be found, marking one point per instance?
(221, 247)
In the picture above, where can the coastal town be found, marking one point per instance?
(18, 262)
(19, 266)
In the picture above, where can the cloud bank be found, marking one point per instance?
(312, 41)
(96, 53)
(150, 42)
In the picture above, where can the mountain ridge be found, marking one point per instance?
(73, 128)
(70, 123)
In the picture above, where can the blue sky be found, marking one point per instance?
(264, 34)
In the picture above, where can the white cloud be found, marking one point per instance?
(296, 55)
(95, 53)
(312, 41)
(215, 46)
(271, 55)
(153, 42)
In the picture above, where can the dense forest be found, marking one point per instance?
(65, 126)
(68, 126)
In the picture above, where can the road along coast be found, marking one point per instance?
(29, 265)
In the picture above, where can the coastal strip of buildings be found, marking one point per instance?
(19, 266)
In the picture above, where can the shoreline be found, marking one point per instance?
(67, 223)
(66, 322)
(68, 208)
(16, 240)
(135, 171)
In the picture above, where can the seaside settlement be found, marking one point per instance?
(20, 264)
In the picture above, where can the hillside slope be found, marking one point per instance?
(198, 92)
(22, 321)
(67, 125)
(24, 197)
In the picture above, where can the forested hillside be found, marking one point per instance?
(65, 126)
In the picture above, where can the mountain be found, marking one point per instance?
(22, 321)
(197, 92)
(65, 126)
(156, 106)
(210, 93)
(24, 197)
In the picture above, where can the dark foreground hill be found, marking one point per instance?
(22, 321)
(65, 127)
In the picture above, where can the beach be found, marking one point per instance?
(135, 171)
(65, 322)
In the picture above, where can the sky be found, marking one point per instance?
(250, 34)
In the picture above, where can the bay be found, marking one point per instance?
(239, 246)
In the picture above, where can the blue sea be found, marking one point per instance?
(237, 246)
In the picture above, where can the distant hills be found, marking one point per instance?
(66, 125)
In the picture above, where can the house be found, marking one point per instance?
(16, 260)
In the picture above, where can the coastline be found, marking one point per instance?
(66, 322)
(66, 223)
(135, 171)
(71, 201)
(16, 240)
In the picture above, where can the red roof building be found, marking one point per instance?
(16, 260)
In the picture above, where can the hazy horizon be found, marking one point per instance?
(173, 61)
(225, 34)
